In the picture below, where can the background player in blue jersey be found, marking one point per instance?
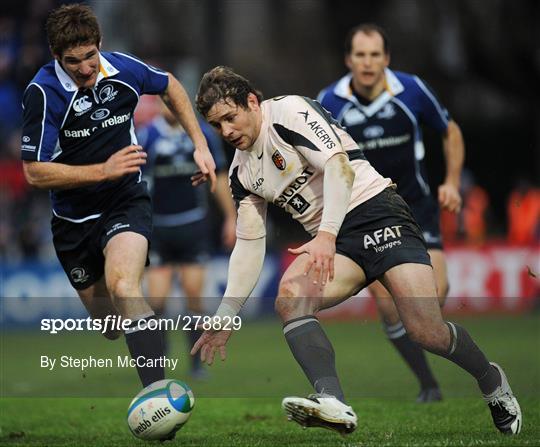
(383, 111)
(79, 142)
(181, 236)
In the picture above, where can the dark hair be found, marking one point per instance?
(223, 84)
(366, 28)
(72, 25)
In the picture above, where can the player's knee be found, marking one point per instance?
(285, 307)
(286, 303)
(123, 288)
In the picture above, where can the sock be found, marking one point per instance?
(314, 353)
(464, 353)
(148, 344)
(412, 353)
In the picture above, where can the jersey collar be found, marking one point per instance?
(393, 87)
(106, 69)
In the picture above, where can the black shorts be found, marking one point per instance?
(426, 213)
(79, 246)
(380, 234)
(182, 244)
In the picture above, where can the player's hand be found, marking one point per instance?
(206, 164)
(126, 161)
(198, 178)
(449, 197)
(229, 232)
(210, 342)
(321, 250)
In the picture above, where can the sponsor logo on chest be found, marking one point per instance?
(82, 105)
(278, 160)
(290, 191)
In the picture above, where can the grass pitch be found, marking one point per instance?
(239, 405)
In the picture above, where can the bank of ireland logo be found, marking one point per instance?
(107, 93)
(79, 275)
(100, 114)
(82, 105)
(279, 161)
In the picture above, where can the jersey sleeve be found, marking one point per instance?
(251, 210)
(40, 128)
(215, 144)
(150, 80)
(431, 111)
(310, 129)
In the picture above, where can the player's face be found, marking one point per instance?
(81, 64)
(239, 126)
(367, 59)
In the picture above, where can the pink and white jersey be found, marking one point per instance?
(285, 166)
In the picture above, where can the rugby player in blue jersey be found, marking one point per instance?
(383, 111)
(78, 141)
(181, 236)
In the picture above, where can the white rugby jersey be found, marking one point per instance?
(285, 166)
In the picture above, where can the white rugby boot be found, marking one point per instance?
(504, 407)
(321, 410)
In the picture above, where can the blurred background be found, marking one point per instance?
(482, 58)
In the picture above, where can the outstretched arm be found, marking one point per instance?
(177, 100)
(245, 265)
(454, 154)
(52, 175)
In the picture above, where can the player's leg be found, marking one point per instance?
(413, 354)
(125, 257)
(438, 261)
(297, 303)
(98, 303)
(159, 282)
(413, 289)
(192, 278)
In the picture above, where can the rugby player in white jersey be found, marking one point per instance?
(291, 153)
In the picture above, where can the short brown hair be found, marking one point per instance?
(72, 25)
(366, 28)
(223, 84)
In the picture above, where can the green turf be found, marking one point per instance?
(240, 404)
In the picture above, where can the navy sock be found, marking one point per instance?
(148, 344)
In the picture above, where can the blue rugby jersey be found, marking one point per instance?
(65, 124)
(388, 129)
(169, 168)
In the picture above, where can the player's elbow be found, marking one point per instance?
(31, 174)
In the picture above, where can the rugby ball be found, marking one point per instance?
(160, 410)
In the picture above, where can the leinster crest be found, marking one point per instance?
(278, 160)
